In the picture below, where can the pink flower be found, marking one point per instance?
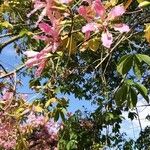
(32, 62)
(99, 8)
(47, 9)
(86, 12)
(121, 27)
(88, 28)
(30, 53)
(107, 39)
(116, 12)
(38, 5)
(65, 1)
(46, 28)
(53, 128)
(49, 30)
(7, 95)
(40, 68)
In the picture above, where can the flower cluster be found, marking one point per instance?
(51, 39)
(8, 133)
(45, 133)
(98, 18)
(22, 121)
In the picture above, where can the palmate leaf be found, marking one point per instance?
(132, 98)
(142, 90)
(144, 58)
(137, 67)
(128, 93)
(125, 64)
(121, 95)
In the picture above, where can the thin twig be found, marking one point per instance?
(123, 37)
(12, 72)
(9, 42)
(5, 35)
(139, 118)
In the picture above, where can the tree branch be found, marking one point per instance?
(9, 42)
(12, 72)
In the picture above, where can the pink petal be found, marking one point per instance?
(87, 35)
(121, 27)
(41, 16)
(82, 11)
(99, 8)
(107, 39)
(116, 12)
(45, 27)
(30, 53)
(65, 1)
(7, 95)
(55, 46)
(88, 28)
(40, 68)
(49, 30)
(31, 62)
(38, 5)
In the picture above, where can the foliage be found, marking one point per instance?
(94, 50)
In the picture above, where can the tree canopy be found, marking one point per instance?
(93, 50)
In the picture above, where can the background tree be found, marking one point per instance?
(97, 51)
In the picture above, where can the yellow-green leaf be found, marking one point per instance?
(50, 101)
(38, 108)
(144, 3)
(93, 44)
(147, 32)
(6, 24)
(113, 2)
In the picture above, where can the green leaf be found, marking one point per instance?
(72, 145)
(34, 82)
(121, 95)
(142, 90)
(137, 67)
(125, 64)
(73, 136)
(144, 4)
(56, 117)
(129, 82)
(145, 58)
(133, 97)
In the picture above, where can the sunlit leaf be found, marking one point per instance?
(94, 44)
(147, 32)
(142, 90)
(125, 64)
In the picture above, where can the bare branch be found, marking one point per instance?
(9, 42)
(12, 72)
(5, 35)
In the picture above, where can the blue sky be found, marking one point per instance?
(10, 61)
